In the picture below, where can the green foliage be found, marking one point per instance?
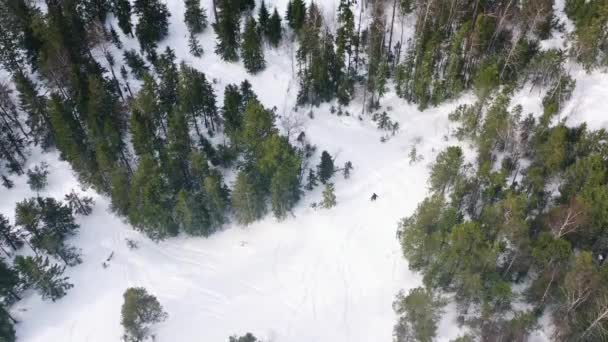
(329, 197)
(251, 48)
(46, 278)
(194, 16)
(296, 14)
(37, 178)
(227, 29)
(446, 169)
(419, 313)
(140, 310)
(274, 31)
(153, 23)
(247, 200)
(590, 43)
(49, 224)
(325, 169)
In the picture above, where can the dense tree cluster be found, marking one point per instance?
(531, 210)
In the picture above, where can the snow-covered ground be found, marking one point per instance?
(321, 275)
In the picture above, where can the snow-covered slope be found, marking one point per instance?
(325, 275)
(322, 275)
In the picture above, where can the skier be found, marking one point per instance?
(374, 197)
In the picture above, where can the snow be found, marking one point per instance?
(321, 275)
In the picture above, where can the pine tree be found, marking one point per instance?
(35, 106)
(232, 112)
(122, 10)
(348, 166)
(263, 19)
(150, 209)
(7, 332)
(195, 17)
(153, 23)
(311, 180)
(49, 224)
(251, 48)
(8, 236)
(195, 47)
(37, 178)
(81, 205)
(329, 197)
(196, 98)
(275, 31)
(325, 169)
(46, 278)
(136, 63)
(9, 281)
(296, 14)
(247, 200)
(140, 310)
(246, 6)
(227, 29)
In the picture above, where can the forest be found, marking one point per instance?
(522, 226)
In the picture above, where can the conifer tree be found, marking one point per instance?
(227, 29)
(153, 23)
(35, 107)
(196, 98)
(275, 31)
(46, 278)
(195, 17)
(37, 178)
(251, 48)
(195, 47)
(80, 205)
(8, 236)
(232, 112)
(311, 180)
(49, 224)
(325, 170)
(248, 202)
(122, 10)
(136, 63)
(263, 19)
(9, 282)
(296, 14)
(140, 310)
(329, 196)
(7, 332)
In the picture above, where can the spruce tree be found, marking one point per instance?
(311, 180)
(8, 236)
(122, 10)
(49, 224)
(153, 23)
(46, 278)
(263, 19)
(274, 32)
(232, 112)
(227, 29)
(325, 169)
(37, 178)
(195, 17)
(251, 48)
(9, 282)
(296, 14)
(248, 201)
(195, 47)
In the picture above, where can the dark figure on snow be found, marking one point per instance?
(374, 197)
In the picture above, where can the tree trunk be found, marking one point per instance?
(390, 39)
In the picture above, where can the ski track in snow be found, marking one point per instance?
(322, 275)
